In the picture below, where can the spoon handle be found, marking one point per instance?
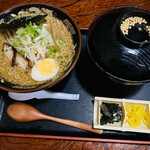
(43, 94)
(80, 125)
(57, 95)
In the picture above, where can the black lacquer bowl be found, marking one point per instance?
(72, 27)
(124, 58)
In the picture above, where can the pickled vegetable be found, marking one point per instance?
(110, 113)
(136, 114)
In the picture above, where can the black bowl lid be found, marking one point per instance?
(116, 54)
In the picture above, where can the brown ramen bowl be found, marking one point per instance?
(76, 37)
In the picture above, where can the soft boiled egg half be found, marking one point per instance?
(44, 69)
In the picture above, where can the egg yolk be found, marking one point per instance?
(46, 67)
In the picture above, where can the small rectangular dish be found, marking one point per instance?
(121, 114)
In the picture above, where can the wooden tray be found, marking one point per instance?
(89, 82)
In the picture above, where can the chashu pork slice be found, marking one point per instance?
(16, 59)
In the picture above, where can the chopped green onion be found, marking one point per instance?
(66, 56)
(51, 53)
(30, 32)
(42, 39)
(39, 27)
(22, 53)
(48, 21)
(16, 43)
(60, 43)
(20, 31)
(4, 72)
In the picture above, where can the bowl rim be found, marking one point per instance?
(94, 22)
(47, 85)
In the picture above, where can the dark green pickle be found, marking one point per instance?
(110, 113)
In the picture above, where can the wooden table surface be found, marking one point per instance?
(83, 12)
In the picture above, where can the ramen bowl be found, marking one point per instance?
(118, 43)
(53, 47)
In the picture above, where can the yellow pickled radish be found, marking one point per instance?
(136, 115)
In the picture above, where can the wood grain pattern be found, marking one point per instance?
(83, 12)
(11, 143)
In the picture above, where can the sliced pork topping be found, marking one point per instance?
(15, 57)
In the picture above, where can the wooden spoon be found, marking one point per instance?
(22, 112)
